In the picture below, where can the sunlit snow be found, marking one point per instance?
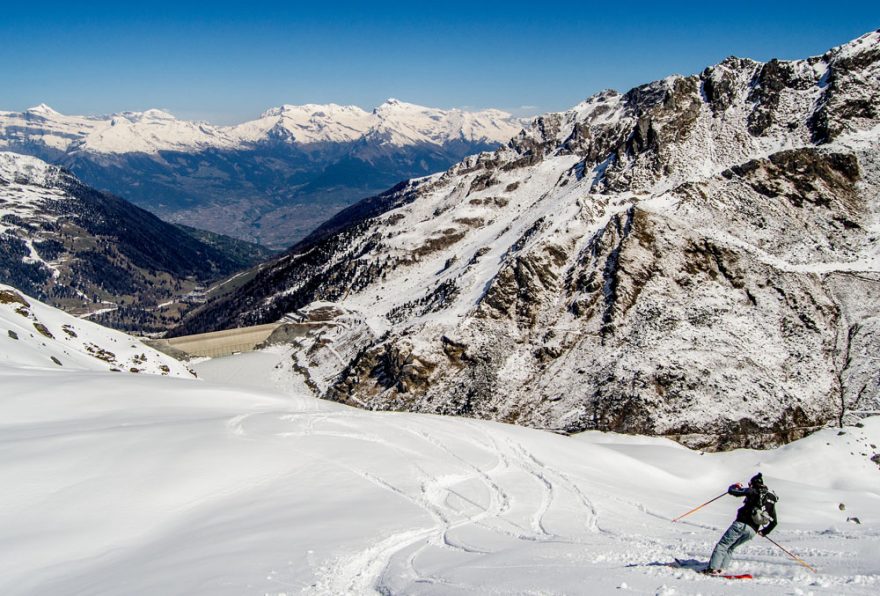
(152, 131)
(143, 484)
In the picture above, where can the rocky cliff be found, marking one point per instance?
(696, 258)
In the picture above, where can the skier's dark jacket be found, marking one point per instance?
(753, 498)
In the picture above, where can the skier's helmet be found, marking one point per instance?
(757, 481)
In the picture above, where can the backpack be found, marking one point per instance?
(759, 512)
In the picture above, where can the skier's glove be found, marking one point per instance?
(736, 486)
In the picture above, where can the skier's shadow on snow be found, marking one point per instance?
(681, 563)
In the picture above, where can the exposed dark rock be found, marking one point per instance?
(43, 330)
(767, 86)
(654, 267)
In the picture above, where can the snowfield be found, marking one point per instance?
(144, 484)
(34, 335)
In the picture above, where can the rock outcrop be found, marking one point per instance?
(696, 258)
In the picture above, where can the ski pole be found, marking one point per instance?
(700, 507)
(801, 561)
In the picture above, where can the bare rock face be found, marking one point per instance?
(850, 97)
(696, 258)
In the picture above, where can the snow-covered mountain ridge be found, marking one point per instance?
(270, 180)
(396, 122)
(698, 258)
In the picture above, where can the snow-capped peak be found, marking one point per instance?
(868, 41)
(402, 123)
(157, 130)
(151, 114)
(309, 109)
(393, 103)
(42, 109)
(151, 131)
(308, 123)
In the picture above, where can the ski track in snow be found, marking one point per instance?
(480, 507)
(398, 554)
(232, 488)
(366, 570)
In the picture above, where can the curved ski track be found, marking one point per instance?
(495, 492)
(482, 494)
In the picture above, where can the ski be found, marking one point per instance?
(700, 567)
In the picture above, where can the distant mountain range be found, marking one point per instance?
(96, 255)
(698, 257)
(270, 180)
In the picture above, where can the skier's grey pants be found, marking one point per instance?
(736, 535)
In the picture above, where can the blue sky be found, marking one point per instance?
(227, 62)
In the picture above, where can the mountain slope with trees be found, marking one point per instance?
(95, 254)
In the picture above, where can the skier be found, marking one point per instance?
(756, 516)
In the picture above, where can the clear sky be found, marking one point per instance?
(228, 62)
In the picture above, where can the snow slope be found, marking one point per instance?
(35, 336)
(27, 184)
(149, 485)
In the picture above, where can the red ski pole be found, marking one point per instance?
(700, 507)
